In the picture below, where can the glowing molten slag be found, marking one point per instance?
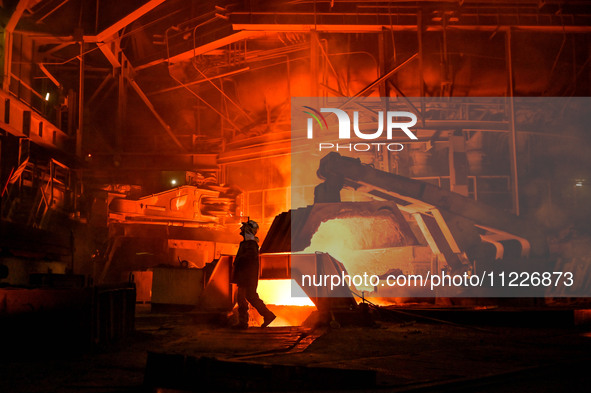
(290, 311)
(361, 244)
(278, 292)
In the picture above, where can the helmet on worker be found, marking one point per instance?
(249, 226)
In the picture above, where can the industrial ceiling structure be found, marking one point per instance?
(136, 135)
(149, 86)
(165, 81)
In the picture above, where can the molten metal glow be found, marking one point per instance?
(286, 316)
(385, 301)
(290, 311)
(349, 240)
(278, 292)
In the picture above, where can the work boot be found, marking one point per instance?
(268, 319)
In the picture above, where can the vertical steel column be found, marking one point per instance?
(51, 176)
(7, 60)
(8, 34)
(421, 67)
(121, 101)
(314, 63)
(382, 63)
(512, 131)
(72, 103)
(80, 100)
(446, 80)
(383, 67)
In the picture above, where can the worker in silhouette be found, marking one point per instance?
(246, 276)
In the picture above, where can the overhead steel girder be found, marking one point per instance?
(103, 35)
(203, 49)
(132, 17)
(16, 16)
(270, 27)
(8, 30)
(399, 20)
(116, 57)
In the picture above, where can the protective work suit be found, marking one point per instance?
(246, 276)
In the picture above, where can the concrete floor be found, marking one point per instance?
(406, 356)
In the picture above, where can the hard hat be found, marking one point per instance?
(251, 226)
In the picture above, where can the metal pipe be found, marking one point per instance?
(513, 135)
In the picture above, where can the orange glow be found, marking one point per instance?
(278, 292)
(286, 316)
(179, 202)
(349, 239)
(386, 301)
(290, 311)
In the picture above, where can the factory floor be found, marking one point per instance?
(404, 355)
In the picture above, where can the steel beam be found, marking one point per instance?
(300, 28)
(444, 240)
(49, 75)
(99, 89)
(224, 75)
(314, 44)
(369, 88)
(238, 36)
(121, 102)
(150, 106)
(60, 5)
(426, 233)
(127, 20)
(16, 16)
(8, 31)
(114, 59)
